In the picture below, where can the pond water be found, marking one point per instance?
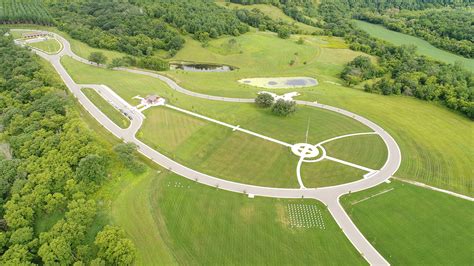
(194, 67)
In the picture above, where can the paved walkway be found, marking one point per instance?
(328, 195)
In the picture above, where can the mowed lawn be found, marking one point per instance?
(237, 156)
(208, 226)
(328, 173)
(423, 47)
(410, 225)
(436, 143)
(115, 115)
(50, 46)
(366, 150)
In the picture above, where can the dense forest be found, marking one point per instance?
(18, 11)
(449, 29)
(204, 19)
(117, 26)
(400, 69)
(56, 167)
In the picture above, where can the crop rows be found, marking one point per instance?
(21, 11)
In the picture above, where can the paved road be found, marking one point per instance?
(328, 195)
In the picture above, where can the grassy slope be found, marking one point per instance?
(425, 228)
(272, 11)
(262, 54)
(116, 116)
(50, 46)
(423, 47)
(236, 230)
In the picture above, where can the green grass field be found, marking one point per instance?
(237, 156)
(261, 54)
(217, 150)
(328, 173)
(366, 150)
(115, 115)
(423, 47)
(50, 46)
(410, 225)
(168, 224)
(429, 135)
(207, 226)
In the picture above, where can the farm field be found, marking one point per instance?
(18, 11)
(116, 116)
(410, 225)
(50, 46)
(423, 47)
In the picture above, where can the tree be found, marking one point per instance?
(264, 100)
(284, 108)
(92, 168)
(98, 58)
(284, 32)
(126, 153)
(114, 247)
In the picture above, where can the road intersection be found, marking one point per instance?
(328, 195)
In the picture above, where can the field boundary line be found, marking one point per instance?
(419, 184)
(375, 195)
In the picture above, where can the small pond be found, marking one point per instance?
(280, 82)
(197, 67)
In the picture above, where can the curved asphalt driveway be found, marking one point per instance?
(328, 195)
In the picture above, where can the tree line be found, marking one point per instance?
(118, 26)
(56, 166)
(399, 69)
(201, 18)
(449, 29)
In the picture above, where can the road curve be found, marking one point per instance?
(328, 195)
